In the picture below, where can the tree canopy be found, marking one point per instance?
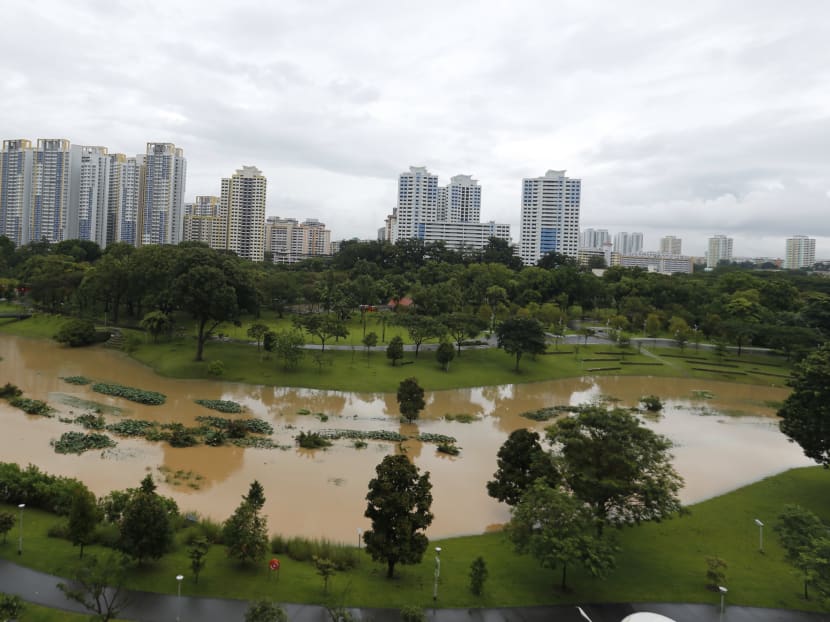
(805, 415)
(521, 461)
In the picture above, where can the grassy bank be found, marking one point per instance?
(659, 562)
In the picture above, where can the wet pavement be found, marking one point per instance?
(41, 588)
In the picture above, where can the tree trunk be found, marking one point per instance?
(81, 556)
(518, 356)
(390, 569)
(564, 575)
(200, 338)
(806, 596)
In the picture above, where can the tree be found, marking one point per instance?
(798, 531)
(370, 340)
(462, 326)
(265, 611)
(98, 585)
(399, 508)
(445, 354)
(519, 335)
(805, 415)
(652, 325)
(76, 333)
(84, 516)
(6, 524)
(197, 552)
(245, 533)
(478, 575)
(325, 568)
(323, 326)
(410, 398)
(11, 606)
(420, 328)
(558, 529)
(156, 323)
(257, 332)
(146, 529)
(287, 345)
(679, 329)
(521, 461)
(394, 351)
(616, 465)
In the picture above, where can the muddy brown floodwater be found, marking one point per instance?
(725, 437)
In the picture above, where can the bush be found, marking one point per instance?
(278, 544)
(59, 530)
(215, 368)
(412, 613)
(9, 391)
(107, 534)
(447, 448)
(652, 403)
(312, 440)
(11, 607)
(37, 489)
(303, 550)
(478, 575)
(76, 333)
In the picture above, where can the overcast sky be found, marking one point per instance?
(683, 118)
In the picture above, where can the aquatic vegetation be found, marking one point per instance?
(448, 448)
(223, 406)
(90, 421)
(141, 396)
(78, 442)
(32, 407)
(461, 417)
(312, 440)
(549, 412)
(79, 380)
(252, 425)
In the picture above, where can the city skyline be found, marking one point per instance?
(688, 119)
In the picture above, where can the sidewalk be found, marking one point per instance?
(40, 588)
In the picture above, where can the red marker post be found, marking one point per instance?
(274, 565)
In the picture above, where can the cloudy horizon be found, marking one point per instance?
(688, 119)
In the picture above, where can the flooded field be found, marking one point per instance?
(726, 435)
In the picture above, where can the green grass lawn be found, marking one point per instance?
(660, 562)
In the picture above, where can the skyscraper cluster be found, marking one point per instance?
(55, 191)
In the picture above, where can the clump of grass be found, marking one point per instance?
(461, 417)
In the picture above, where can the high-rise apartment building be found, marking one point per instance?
(161, 219)
(15, 189)
(203, 222)
(132, 200)
(720, 249)
(594, 238)
(628, 243)
(289, 241)
(88, 216)
(243, 209)
(115, 196)
(550, 216)
(800, 252)
(671, 245)
(460, 200)
(417, 201)
(50, 195)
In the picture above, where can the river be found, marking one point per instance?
(726, 439)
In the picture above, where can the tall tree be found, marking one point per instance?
(146, 530)
(245, 533)
(99, 586)
(519, 335)
(798, 530)
(394, 351)
(257, 332)
(462, 326)
(324, 326)
(521, 461)
(420, 328)
(805, 415)
(399, 508)
(197, 553)
(84, 517)
(410, 398)
(557, 529)
(445, 354)
(613, 463)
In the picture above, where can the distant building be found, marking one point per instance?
(15, 190)
(51, 175)
(549, 217)
(242, 208)
(800, 252)
(720, 249)
(203, 222)
(289, 241)
(628, 243)
(671, 245)
(417, 201)
(87, 219)
(161, 219)
(664, 263)
(594, 238)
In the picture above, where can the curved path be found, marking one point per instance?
(40, 588)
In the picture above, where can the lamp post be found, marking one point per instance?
(760, 535)
(359, 537)
(179, 578)
(723, 592)
(437, 572)
(20, 539)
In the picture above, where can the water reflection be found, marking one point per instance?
(322, 492)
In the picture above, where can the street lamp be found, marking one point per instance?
(760, 535)
(359, 537)
(179, 578)
(437, 572)
(723, 592)
(20, 539)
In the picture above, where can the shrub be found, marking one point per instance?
(37, 489)
(76, 333)
(652, 403)
(216, 368)
(447, 448)
(181, 436)
(107, 534)
(59, 530)
(478, 575)
(11, 607)
(715, 573)
(278, 544)
(312, 440)
(9, 391)
(412, 613)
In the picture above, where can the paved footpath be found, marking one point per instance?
(40, 588)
